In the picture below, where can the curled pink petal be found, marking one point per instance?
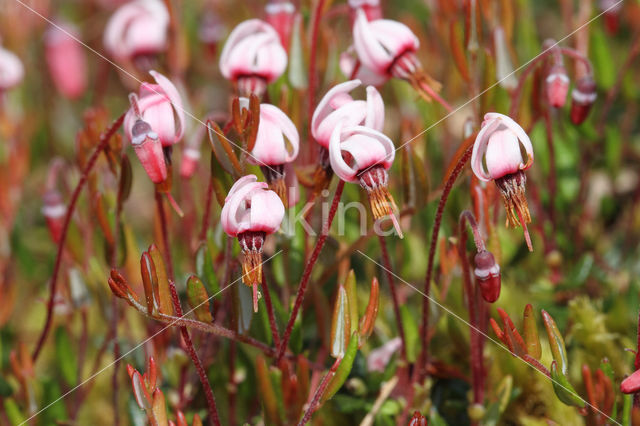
(520, 133)
(375, 109)
(270, 147)
(325, 107)
(370, 52)
(66, 60)
(339, 166)
(503, 154)
(137, 27)
(250, 206)
(11, 70)
(349, 60)
(253, 49)
(631, 384)
(480, 148)
(174, 98)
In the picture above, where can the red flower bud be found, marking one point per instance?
(582, 98)
(148, 148)
(631, 384)
(418, 419)
(54, 211)
(280, 15)
(487, 274)
(557, 86)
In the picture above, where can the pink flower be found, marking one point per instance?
(487, 273)
(11, 70)
(368, 148)
(631, 384)
(280, 15)
(583, 97)
(337, 106)
(382, 42)
(369, 154)
(271, 147)
(348, 63)
(557, 83)
(66, 60)
(253, 57)
(161, 106)
(138, 28)
(148, 148)
(54, 212)
(251, 207)
(379, 358)
(498, 143)
(250, 212)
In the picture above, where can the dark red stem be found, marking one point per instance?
(394, 296)
(424, 356)
(211, 402)
(272, 318)
(104, 140)
(306, 275)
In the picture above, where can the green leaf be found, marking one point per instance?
(563, 389)
(164, 294)
(126, 178)
(13, 412)
(352, 299)
(411, 334)
(603, 62)
(198, 299)
(343, 370)
(556, 342)
(531, 338)
(244, 307)
(66, 356)
(340, 324)
(297, 75)
(267, 392)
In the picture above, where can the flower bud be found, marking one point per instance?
(557, 86)
(280, 14)
(631, 384)
(66, 61)
(148, 148)
(418, 419)
(54, 211)
(487, 273)
(582, 98)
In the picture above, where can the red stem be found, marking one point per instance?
(311, 90)
(104, 140)
(319, 392)
(394, 296)
(424, 356)
(211, 402)
(306, 275)
(272, 318)
(165, 234)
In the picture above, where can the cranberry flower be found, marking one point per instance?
(487, 273)
(557, 82)
(253, 57)
(160, 105)
(66, 61)
(137, 30)
(582, 98)
(498, 144)
(277, 143)
(250, 212)
(388, 49)
(280, 15)
(11, 70)
(369, 154)
(337, 106)
(371, 9)
(54, 210)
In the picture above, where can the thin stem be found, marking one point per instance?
(394, 296)
(306, 275)
(313, 405)
(272, 319)
(473, 224)
(452, 176)
(53, 285)
(211, 402)
(165, 234)
(311, 89)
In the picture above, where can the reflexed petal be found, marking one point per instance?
(375, 110)
(370, 52)
(339, 166)
(176, 102)
(350, 114)
(480, 147)
(267, 211)
(324, 108)
(503, 153)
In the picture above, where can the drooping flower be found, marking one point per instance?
(557, 82)
(338, 106)
(137, 30)
(160, 105)
(11, 70)
(250, 212)
(280, 15)
(498, 144)
(487, 273)
(388, 49)
(369, 154)
(582, 98)
(66, 60)
(253, 57)
(54, 210)
(277, 144)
